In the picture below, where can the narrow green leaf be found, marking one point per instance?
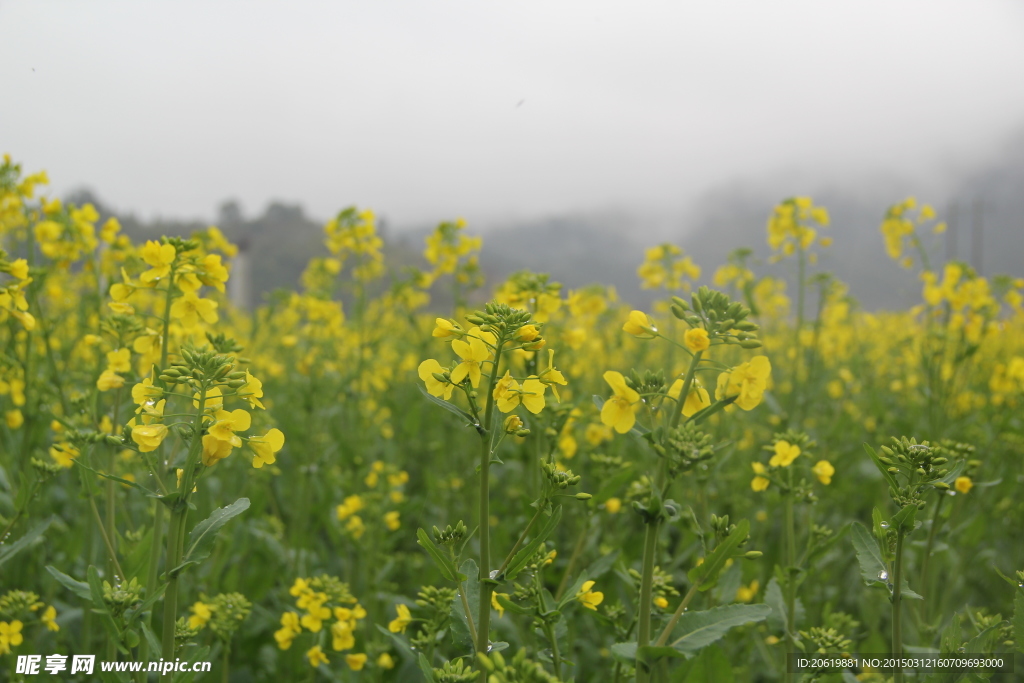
(450, 407)
(462, 636)
(706, 573)
(443, 563)
(522, 558)
(79, 588)
(882, 467)
(428, 671)
(25, 541)
(126, 482)
(200, 541)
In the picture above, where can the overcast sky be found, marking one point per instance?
(434, 109)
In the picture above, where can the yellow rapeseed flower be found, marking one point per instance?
(785, 454)
(639, 325)
(824, 470)
(696, 339)
(759, 483)
(747, 382)
(588, 598)
(619, 411)
(316, 656)
(402, 621)
(963, 484)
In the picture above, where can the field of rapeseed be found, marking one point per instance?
(542, 485)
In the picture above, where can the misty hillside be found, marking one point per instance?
(607, 248)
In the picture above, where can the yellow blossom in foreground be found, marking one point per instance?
(588, 598)
(402, 621)
(747, 382)
(759, 483)
(473, 353)
(963, 484)
(660, 602)
(265, 447)
(824, 470)
(316, 656)
(696, 339)
(619, 411)
(149, 437)
(639, 325)
(215, 450)
(697, 400)
(385, 661)
(435, 387)
(785, 454)
(189, 308)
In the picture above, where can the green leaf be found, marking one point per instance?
(904, 519)
(100, 608)
(625, 652)
(868, 554)
(508, 605)
(712, 666)
(526, 553)
(428, 671)
(200, 541)
(126, 482)
(777, 620)
(445, 564)
(882, 467)
(25, 541)
(1018, 620)
(459, 624)
(451, 408)
(700, 629)
(706, 573)
(79, 588)
(716, 407)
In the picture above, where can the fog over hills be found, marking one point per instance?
(607, 246)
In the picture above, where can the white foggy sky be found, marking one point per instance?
(410, 107)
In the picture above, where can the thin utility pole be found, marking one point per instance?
(951, 226)
(977, 234)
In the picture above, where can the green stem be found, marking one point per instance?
(897, 600)
(577, 550)
(928, 553)
(556, 657)
(643, 638)
(225, 661)
(790, 532)
(484, 619)
(176, 535)
(687, 383)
